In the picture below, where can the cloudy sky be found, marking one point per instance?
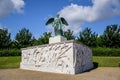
(32, 14)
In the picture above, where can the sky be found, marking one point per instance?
(33, 14)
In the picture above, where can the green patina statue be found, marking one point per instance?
(57, 23)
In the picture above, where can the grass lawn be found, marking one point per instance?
(10, 62)
(107, 61)
(14, 62)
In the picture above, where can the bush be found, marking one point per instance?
(10, 52)
(96, 52)
(106, 51)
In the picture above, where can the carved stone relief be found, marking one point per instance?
(68, 57)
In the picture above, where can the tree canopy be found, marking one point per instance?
(88, 38)
(5, 38)
(69, 35)
(23, 38)
(109, 38)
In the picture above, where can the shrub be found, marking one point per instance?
(10, 52)
(96, 52)
(106, 51)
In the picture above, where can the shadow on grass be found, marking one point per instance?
(95, 65)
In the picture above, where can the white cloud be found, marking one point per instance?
(76, 15)
(18, 5)
(8, 6)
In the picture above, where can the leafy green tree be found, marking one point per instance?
(44, 39)
(99, 41)
(88, 38)
(23, 38)
(69, 35)
(34, 41)
(111, 36)
(5, 40)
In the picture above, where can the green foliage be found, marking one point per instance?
(106, 51)
(106, 61)
(88, 38)
(111, 36)
(96, 52)
(10, 62)
(5, 40)
(43, 39)
(69, 35)
(10, 52)
(34, 42)
(23, 38)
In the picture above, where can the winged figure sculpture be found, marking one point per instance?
(57, 23)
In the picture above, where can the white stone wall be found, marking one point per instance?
(65, 57)
(82, 57)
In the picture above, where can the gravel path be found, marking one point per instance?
(101, 73)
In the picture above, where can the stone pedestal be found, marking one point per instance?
(68, 57)
(57, 39)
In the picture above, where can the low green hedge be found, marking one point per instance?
(96, 52)
(10, 52)
(106, 51)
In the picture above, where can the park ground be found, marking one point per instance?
(101, 73)
(108, 70)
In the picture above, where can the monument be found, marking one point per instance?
(60, 55)
(57, 23)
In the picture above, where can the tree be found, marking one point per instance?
(111, 36)
(44, 39)
(5, 40)
(88, 38)
(69, 34)
(34, 41)
(23, 38)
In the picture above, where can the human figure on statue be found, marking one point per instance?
(57, 23)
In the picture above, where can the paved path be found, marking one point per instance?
(102, 73)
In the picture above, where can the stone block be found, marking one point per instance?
(57, 39)
(67, 57)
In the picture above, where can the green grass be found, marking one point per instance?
(107, 61)
(10, 62)
(14, 62)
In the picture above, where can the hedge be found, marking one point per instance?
(10, 52)
(96, 52)
(106, 51)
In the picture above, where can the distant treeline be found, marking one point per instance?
(24, 38)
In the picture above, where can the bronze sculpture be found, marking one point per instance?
(57, 23)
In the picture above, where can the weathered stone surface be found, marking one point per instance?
(67, 57)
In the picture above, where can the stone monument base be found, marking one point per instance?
(68, 57)
(57, 39)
